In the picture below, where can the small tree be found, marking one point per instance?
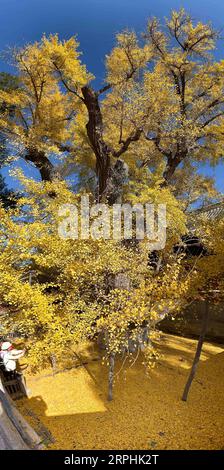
(209, 273)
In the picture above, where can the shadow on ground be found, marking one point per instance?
(147, 411)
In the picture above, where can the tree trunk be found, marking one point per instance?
(168, 173)
(111, 177)
(111, 376)
(94, 129)
(53, 361)
(173, 162)
(197, 353)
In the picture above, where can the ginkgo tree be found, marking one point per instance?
(73, 296)
(136, 140)
(161, 105)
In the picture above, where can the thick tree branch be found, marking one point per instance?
(172, 164)
(42, 163)
(94, 129)
(211, 119)
(134, 137)
(156, 141)
(104, 89)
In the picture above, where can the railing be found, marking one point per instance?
(17, 433)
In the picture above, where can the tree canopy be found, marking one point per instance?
(161, 107)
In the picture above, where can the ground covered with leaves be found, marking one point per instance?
(70, 410)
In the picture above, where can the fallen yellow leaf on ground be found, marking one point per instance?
(147, 411)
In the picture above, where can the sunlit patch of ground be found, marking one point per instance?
(147, 411)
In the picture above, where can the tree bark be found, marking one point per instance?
(53, 361)
(42, 163)
(172, 164)
(111, 176)
(94, 129)
(197, 353)
(111, 376)
(169, 172)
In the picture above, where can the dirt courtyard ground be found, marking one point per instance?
(147, 411)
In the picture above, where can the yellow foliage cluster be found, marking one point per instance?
(60, 292)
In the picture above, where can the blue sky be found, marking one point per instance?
(96, 22)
